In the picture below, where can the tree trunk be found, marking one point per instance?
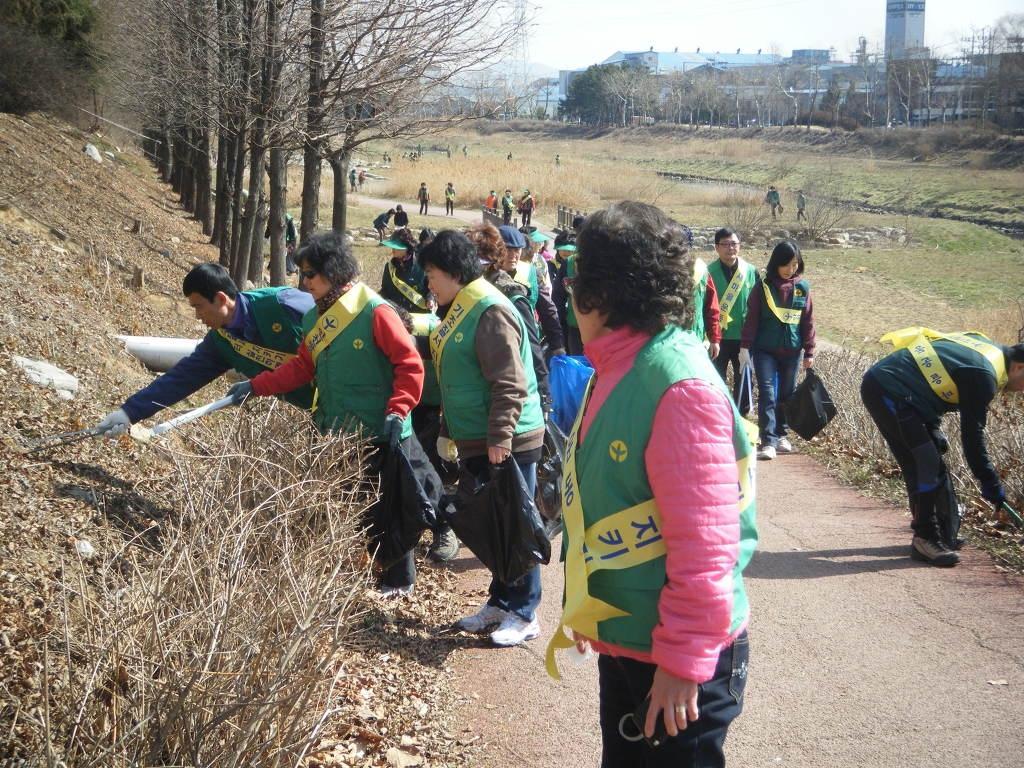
(202, 177)
(278, 208)
(256, 252)
(239, 202)
(247, 229)
(312, 150)
(165, 163)
(219, 195)
(339, 212)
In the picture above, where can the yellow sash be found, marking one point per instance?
(423, 323)
(919, 342)
(522, 275)
(733, 291)
(268, 358)
(405, 289)
(786, 316)
(464, 301)
(337, 318)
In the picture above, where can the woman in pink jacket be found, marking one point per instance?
(658, 503)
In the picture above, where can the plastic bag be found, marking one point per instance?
(810, 408)
(402, 512)
(568, 376)
(499, 523)
(549, 479)
(745, 402)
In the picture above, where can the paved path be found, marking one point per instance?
(859, 656)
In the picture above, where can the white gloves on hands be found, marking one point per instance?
(744, 358)
(115, 424)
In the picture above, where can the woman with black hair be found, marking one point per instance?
(490, 402)
(778, 329)
(658, 506)
(403, 282)
(366, 371)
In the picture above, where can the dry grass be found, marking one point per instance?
(214, 640)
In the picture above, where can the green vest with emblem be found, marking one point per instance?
(621, 559)
(278, 332)
(901, 378)
(700, 292)
(422, 325)
(354, 379)
(732, 322)
(772, 333)
(465, 393)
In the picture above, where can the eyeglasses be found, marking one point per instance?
(308, 274)
(728, 244)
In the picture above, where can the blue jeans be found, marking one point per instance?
(776, 380)
(522, 596)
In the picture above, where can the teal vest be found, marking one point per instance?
(422, 325)
(612, 479)
(732, 324)
(526, 275)
(772, 333)
(354, 379)
(899, 375)
(465, 393)
(278, 332)
(700, 292)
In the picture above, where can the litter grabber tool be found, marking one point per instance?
(64, 438)
(144, 434)
(1013, 515)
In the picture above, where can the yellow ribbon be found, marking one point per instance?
(732, 291)
(405, 289)
(786, 316)
(467, 298)
(918, 341)
(336, 319)
(264, 356)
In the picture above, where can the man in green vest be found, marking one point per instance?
(734, 278)
(250, 331)
(403, 282)
(907, 393)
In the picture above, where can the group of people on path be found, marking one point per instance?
(774, 200)
(659, 496)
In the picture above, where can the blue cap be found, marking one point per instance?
(512, 237)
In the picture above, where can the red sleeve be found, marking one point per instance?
(712, 314)
(391, 338)
(292, 375)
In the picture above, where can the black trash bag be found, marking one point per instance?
(548, 497)
(402, 512)
(499, 523)
(810, 408)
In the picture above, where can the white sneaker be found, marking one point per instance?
(482, 620)
(395, 591)
(514, 630)
(766, 452)
(784, 445)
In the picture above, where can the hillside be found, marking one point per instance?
(78, 520)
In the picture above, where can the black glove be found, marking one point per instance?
(939, 438)
(994, 494)
(239, 392)
(393, 429)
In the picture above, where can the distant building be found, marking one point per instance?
(811, 56)
(904, 29)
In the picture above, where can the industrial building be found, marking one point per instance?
(904, 29)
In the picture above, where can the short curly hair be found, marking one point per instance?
(329, 254)
(633, 264)
(487, 239)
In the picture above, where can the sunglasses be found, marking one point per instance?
(308, 274)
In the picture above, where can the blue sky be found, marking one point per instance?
(575, 33)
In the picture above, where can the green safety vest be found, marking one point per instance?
(733, 295)
(465, 393)
(700, 292)
(612, 541)
(410, 294)
(772, 332)
(354, 379)
(281, 336)
(570, 272)
(526, 275)
(422, 325)
(902, 377)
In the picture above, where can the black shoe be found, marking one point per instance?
(444, 547)
(933, 553)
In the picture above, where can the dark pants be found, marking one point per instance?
(573, 341)
(423, 207)
(449, 207)
(403, 572)
(624, 683)
(729, 354)
(521, 596)
(911, 443)
(776, 380)
(506, 216)
(527, 215)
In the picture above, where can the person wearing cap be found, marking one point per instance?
(508, 206)
(403, 282)
(381, 224)
(250, 331)
(526, 206)
(449, 200)
(543, 305)
(565, 274)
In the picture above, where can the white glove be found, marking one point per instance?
(447, 449)
(115, 423)
(744, 358)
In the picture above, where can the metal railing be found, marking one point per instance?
(491, 216)
(566, 216)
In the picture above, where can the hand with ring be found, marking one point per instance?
(673, 698)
